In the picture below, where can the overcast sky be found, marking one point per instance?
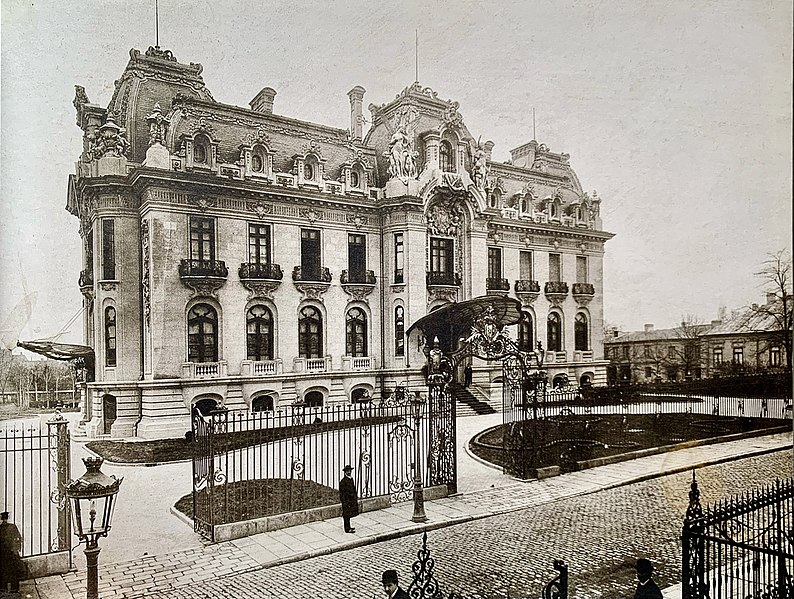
(677, 113)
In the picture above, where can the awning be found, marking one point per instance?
(58, 351)
(454, 321)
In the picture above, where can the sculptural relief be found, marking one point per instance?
(402, 157)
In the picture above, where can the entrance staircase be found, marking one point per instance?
(467, 403)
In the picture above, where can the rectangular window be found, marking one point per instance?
(648, 372)
(494, 263)
(717, 356)
(89, 251)
(258, 243)
(581, 269)
(646, 351)
(525, 269)
(774, 356)
(555, 268)
(738, 355)
(202, 238)
(108, 249)
(671, 352)
(310, 254)
(399, 258)
(441, 255)
(625, 352)
(356, 258)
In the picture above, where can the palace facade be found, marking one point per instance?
(237, 257)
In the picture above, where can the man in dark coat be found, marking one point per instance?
(12, 569)
(646, 588)
(392, 586)
(348, 497)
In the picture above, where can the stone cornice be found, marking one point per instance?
(548, 229)
(520, 173)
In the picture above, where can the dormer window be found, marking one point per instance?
(200, 151)
(308, 172)
(446, 157)
(495, 199)
(554, 210)
(355, 179)
(257, 163)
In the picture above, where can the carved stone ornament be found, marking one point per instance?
(311, 215)
(444, 219)
(145, 283)
(204, 287)
(358, 292)
(449, 294)
(360, 158)
(556, 299)
(528, 240)
(203, 202)
(261, 209)
(452, 117)
(158, 126)
(260, 137)
(555, 244)
(312, 148)
(401, 155)
(156, 52)
(359, 220)
(495, 235)
(527, 298)
(260, 289)
(312, 291)
(479, 167)
(108, 140)
(202, 126)
(108, 285)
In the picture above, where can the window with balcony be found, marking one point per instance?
(738, 355)
(310, 333)
(202, 334)
(525, 332)
(555, 268)
(110, 336)
(525, 270)
(581, 332)
(494, 263)
(399, 258)
(108, 249)
(554, 332)
(717, 356)
(446, 157)
(310, 254)
(356, 258)
(258, 243)
(259, 333)
(442, 255)
(399, 331)
(202, 238)
(774, 356)
(581, 269)
(356, 333)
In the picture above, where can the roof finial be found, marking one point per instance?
(156, 24)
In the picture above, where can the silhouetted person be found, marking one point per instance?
(348, 497)
(467, 375)
(646, 587)
(392, 586)
(12, 569)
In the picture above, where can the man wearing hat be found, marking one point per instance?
(391, 585)
(348, 497)
(646, 587)
(12, 570)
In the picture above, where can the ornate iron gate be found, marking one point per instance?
(740, 547)
(204, 474)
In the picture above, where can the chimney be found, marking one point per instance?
(615, 333)
(771, 297)
(356, 96)
(263, 101)
(648, 327)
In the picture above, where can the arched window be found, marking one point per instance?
(525, 332)
(496, 199)
(355, 179)
(356, 333)
(580, 332)
(399, 331)
(200, 150)
(110, 336)
(554, 211)
(310, 333)
(263, 403)
(206, 405)
(308, 171)
(313, 399)
(358, 394)
(259, 328)
(257, 163)
(202, 334)
(446, 157)
(554, 332)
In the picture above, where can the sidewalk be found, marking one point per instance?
(137, 578)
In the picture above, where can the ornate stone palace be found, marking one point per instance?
(237, 257)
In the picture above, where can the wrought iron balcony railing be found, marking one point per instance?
(583, 289)
(318, 275)
(449, 279)
(266, 271)
(86, 279)
(203, 268)
(527, 286)
(357, 278)
(497, 284)
(556, 287)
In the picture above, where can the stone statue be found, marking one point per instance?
(108, 140)
(158, 126)
(402, 158)
(479, 167)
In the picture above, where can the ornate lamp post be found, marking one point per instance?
(92, 499)
(417, 401)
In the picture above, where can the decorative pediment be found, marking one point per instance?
(202, 126)
(258, 137)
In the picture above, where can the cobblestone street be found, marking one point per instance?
(599, 535)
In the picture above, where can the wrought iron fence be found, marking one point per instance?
(253, 464)
(740, 547)
(35, 470)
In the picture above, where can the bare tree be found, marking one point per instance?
(685, 352)
(775, 317)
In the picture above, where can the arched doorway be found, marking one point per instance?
(206, 405)
(108, 412)
(313, 399)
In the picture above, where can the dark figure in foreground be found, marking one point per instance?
(392, 586)
(467, 372)
(12, 569)
(646, 587)
(348, 497)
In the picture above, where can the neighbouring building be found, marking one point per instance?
(234, 256)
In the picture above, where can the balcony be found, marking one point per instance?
(261, 279)
(205, 277)
(527, 291)
(311, 365)
(496, 286)
(443, 279)
(86, 282)
(583, 292)
(204, 370)
(556, 292)
(261, 368)
(312, 283)
(358, 284)
(358, 363)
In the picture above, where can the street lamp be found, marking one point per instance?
(92, 499)
(417, 401)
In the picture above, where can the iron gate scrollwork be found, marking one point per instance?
(206, 474)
